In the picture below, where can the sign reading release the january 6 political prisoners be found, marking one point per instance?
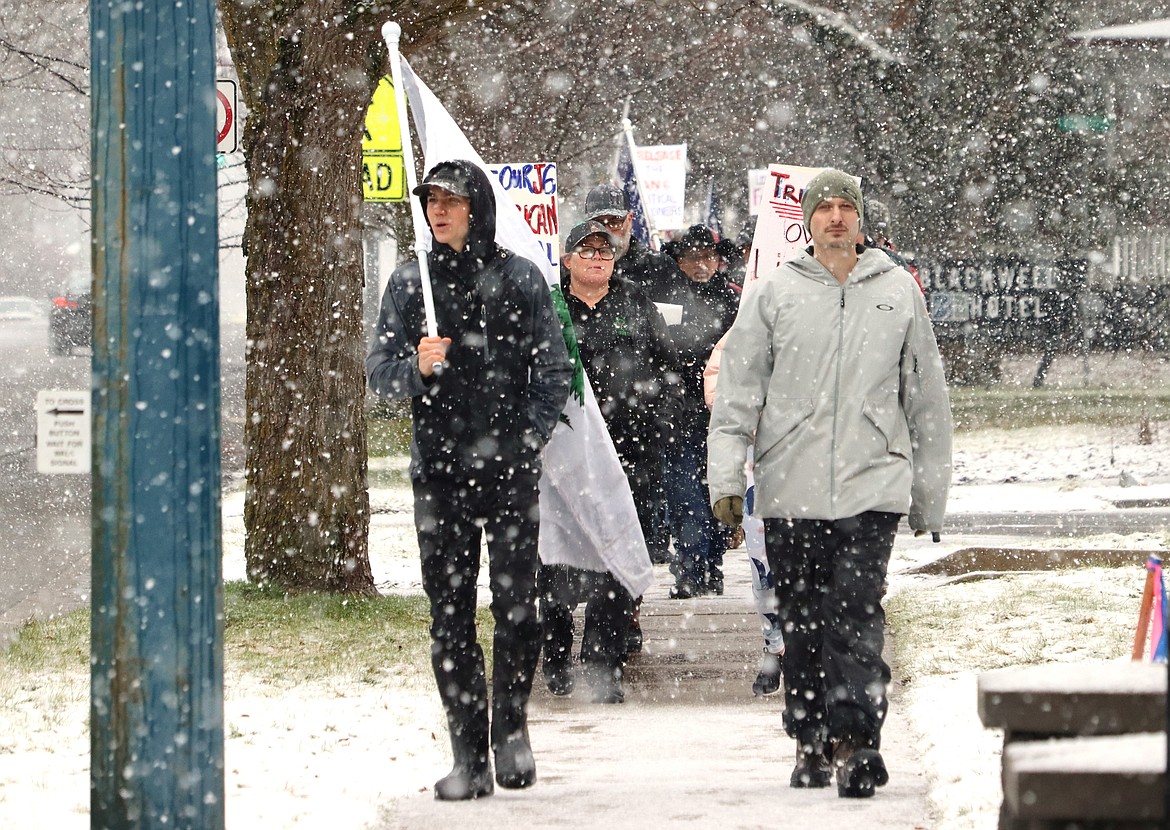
(383, 167)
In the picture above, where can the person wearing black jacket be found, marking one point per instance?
(655, 274)
(708, 306)
(485, 396)
(626, 354)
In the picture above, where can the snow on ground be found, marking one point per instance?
(294, 757)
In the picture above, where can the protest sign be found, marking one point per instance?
(662, 180)
(533, 188)
(758, 190)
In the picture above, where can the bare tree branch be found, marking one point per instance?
(48, 64)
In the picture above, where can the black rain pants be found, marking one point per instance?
(830, 578)
(450, 516)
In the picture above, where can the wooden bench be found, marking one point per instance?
(1084, 744)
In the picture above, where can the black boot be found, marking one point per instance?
(634, 632)
(515, 766)
(463, 689)
(558, 676)
(556, 661)
(511, 684)
(860, 770)
(471, 777)
(605, 682)
(813, 768)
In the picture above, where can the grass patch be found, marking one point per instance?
(290, 639)
(279, 640)
(388, 436)
(1016, 619)
(1014, 408)
(50, 646)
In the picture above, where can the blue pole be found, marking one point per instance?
(156, 717)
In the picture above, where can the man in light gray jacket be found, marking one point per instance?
(832, 372)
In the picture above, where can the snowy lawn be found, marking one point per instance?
(944, 635)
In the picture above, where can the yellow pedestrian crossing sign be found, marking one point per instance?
(383, 168)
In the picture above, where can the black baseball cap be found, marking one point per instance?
(447, 177)
(585, 229)
(606, 200)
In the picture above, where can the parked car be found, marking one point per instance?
(71, 315)
(20, 308)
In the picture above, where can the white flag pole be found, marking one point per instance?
(391, 33)
(628, 129)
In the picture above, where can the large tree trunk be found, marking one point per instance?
(307, 72)
(307, 507)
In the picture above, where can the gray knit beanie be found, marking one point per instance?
(831, 184)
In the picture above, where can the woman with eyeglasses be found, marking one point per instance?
(627, 356)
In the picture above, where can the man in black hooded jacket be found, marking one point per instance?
(485, 397)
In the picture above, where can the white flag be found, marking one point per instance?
(587, 515)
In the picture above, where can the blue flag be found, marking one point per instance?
(629, 182)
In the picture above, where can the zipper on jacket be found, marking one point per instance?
(487, 352)
(836, 405)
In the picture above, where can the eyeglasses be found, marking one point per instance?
(586, 252)
(698, 254)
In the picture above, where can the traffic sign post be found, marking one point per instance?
(63, 434)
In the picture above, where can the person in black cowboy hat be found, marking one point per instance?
(478, 427)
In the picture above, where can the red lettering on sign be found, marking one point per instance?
(778, 183)
(541, 218)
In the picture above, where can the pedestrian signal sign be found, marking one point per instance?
(383, 167)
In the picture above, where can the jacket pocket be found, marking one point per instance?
(780, 420)
(887, 417)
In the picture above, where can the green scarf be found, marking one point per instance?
(577, 388)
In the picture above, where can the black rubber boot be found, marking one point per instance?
(605, 682)
(511, 685)
(471, 777)
(463, 688)
(515, 766)
(634, 632)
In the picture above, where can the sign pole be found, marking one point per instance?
(156, 706)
